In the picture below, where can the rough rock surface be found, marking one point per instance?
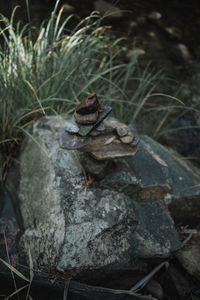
(164, 175)
(82, 229)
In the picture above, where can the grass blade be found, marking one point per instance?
(14, 270)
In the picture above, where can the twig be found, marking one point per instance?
(140, 284)
(186, 240)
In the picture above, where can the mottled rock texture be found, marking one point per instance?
(111, 224)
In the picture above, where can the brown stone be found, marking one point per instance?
(108, 146)
(86, 119)
(85, 130)
(89, 105)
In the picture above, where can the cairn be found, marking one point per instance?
(99, 139)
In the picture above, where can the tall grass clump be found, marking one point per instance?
(50, 70)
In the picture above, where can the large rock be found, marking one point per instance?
(101, 226)
(164, 174)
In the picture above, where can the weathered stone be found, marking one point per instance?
(86, 119)
(71, 126)
(108, 147)
(121, 180)
(135, 141)
(100, 127)
(97, 168)
(82, 229)
(112, 124)
(85, 130)
(169, 177)
(73, 141)
(128, 139)
(122, 131)
(98, 130)
(95, 132)
(89, 105)
(102, 142)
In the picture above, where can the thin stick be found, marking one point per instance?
(140, 284)
(187, 239)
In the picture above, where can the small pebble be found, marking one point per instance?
(135, 141)
(86, 119)
(127, 139)
(122, 131)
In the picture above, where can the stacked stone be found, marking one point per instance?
(88, 131)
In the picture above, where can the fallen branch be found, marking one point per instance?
(42, 288)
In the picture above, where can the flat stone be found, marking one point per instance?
(86, 119)
(98, 130)
(108, 146)
(89, 105)
(95, 132)
(71, 125)
(85, 130)
(101, 127)
(113, 124)
(73, 141)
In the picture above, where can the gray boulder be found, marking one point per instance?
(164, 174)
(81, 229)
